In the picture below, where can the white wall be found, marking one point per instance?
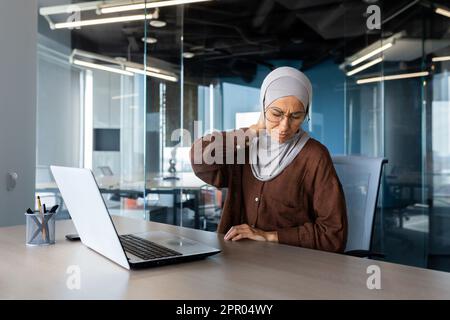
(18, 33)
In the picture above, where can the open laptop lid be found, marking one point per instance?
(89, 213)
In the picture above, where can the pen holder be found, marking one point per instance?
(40, 228)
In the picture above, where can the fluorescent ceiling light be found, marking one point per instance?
(371, 54)
(188, 55)
(148, 5)
(101, 67)
(443, 12)
(150, 40)
(364, 66)
(393, 77)
(444, 58)
(152, 74)
(83, 23)
(123, 66)
(158, 23)
(68, 8)
(155, 70)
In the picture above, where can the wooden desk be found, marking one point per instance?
(244, 270)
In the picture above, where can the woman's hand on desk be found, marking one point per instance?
(244, 231)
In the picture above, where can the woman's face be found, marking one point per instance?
(283, 118)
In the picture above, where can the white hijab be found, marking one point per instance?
(268, 158)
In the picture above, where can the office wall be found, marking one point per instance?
(238, 98)
(261, 73)
(18, 24)
(328, 118)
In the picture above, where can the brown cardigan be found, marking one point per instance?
(305, 204)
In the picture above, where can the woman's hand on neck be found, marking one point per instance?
(260, 125)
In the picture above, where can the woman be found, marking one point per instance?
(286, 190)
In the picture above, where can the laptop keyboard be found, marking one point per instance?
(145, 249)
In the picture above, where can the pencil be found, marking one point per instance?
(42, 218)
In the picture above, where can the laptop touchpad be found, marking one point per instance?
(167, 239)
(179, 242)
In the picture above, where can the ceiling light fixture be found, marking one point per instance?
(124, 67)
(188, 55)
(143, 5)
(438, 59)
(442, 12)
(149, 40)
(393, 77)
(101, 67)
(70, 8)
(83, 23)
(158, 23)
(364, 66)
(371, 54)
(152, 74)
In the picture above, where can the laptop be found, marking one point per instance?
(95, 227)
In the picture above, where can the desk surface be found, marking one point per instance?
(244, 270)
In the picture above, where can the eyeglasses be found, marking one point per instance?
(275, 115)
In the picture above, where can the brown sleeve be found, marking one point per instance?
(215, 173)
(329, 230)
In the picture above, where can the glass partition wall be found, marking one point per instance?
(435, 126)
(398, 109)
(91, 101)
(166, 155)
